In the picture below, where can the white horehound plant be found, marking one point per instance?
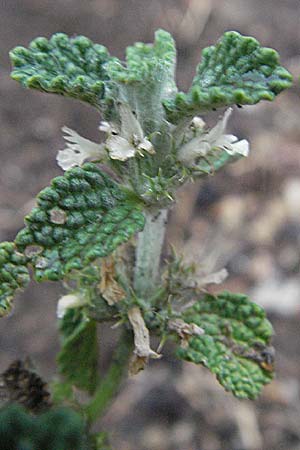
(100, 226)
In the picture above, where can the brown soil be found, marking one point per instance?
(249, 212)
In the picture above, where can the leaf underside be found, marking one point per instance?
(13, 275)
(235, 344)
(235, 71)
(74, 67)
(83, 216)
(78, 357)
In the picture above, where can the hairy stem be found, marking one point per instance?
(148, 253)
(110, 384)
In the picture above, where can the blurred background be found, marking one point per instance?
(246, 218)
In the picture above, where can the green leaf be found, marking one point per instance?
(100, 441)
(55, 430)
(74, 67)
(13, 275)
(147, 78)
(83, 216)
(78, 358)
(235, 71)
(235, 346)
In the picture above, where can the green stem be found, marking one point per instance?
(146, 276)
(110, 384)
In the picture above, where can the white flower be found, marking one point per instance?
(69, 301)
(109, 128)
(119, 148)
(198, 123)
(129, 140)
(78, 150)
(202, 143)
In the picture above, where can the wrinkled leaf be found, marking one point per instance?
(74, 67)
(13, 275)
(237, 70)
(78, 357)
(55, 430)
(235, 346)
(83, 216)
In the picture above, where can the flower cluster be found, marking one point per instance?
(127, 140)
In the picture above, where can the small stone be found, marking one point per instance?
(291, 196)
(155, 437)
(42, 263)
(281, 296)
(232, 211)
(58, 216)
(182, 434)
(33, 250)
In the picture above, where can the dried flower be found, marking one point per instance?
(142, 351)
